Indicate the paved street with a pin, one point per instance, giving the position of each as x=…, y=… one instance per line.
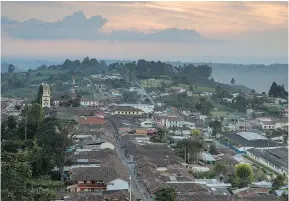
x=137, y=189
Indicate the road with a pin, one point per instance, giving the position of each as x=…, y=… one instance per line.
x=145, y=92
x=138, y=190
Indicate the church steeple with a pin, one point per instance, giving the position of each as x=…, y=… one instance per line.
x=45, y=100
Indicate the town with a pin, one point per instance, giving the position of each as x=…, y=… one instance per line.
x=140, y=131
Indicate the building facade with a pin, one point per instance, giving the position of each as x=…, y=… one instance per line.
x=45, y=99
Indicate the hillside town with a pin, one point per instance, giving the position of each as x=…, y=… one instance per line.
x=132, y=141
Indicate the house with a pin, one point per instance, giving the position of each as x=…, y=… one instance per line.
x=207, y=158
x=88, y=103
x=96, y=145
x=278, y=101
x=276, y=159
x=115, y=92
x=242, y=141
x=272, y=125
x=268, y=125
x=180, y=130
x=144, y=107
x=169, y=121
x=95, y=179
x=113, y=195
x=148, y=124
x=227, y=100
x=56, y=102
x=127, y=111
x=91, y=123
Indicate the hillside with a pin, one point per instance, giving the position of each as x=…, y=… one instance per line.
x=5, y=66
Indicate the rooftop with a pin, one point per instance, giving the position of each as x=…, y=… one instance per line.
x=91, y=120
x=251, y=136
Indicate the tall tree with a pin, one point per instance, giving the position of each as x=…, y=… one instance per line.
x=216, y=126
x=39, y=95
x=244, y=175
x=273, y=91
x=232, y=81
x=11, y=68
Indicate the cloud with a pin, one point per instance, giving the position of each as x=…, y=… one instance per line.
x=77, y=26
x=73, y=26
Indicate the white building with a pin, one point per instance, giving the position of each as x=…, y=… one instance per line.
x=148, y=124
x=45, y=100
x=276, y=159
x=88, y=103
x=144, y=107
x=117, y=184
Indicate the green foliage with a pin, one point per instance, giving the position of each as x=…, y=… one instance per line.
x=204, y=106
x=196, y=132
x=205, y=175
x=232, y=81
x=166, y=194
x=220, y=168
x=189, y=148
x=213, y=149
x=11, y=68
x=25, y=162
x=180, y=100
x=216, y=126
x=159, y=137
x=278, y=91
x=39, y=95
x=244, y=175
x=279, y=181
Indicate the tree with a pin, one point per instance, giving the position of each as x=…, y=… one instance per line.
x=220, y=168
x=159, y=137
x=17, y=107
x=189, y=149
x=216, y=126
x=166, y=194
x=54, y=135
x=11, y=68
x=213, y=149
x=16, y=170
x=232, y=81
x=279, y=181
x=39, y=95
x=196, y=132
x=244, y=175
x=204, y=106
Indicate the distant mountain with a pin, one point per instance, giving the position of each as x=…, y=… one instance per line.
x=5, y=66
x=255, y=76
x=26, y=64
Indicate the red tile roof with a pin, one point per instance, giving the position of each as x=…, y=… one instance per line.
x=90, y=120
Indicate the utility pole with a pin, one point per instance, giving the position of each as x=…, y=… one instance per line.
x=129, y=188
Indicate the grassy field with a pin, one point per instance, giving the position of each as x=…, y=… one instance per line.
x=197, y=89
x=152, y=83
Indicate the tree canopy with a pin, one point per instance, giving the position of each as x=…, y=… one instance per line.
x=278, y=91
x=166, y=194
x=244, y=175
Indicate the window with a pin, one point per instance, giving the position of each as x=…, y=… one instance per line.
x=84, y=182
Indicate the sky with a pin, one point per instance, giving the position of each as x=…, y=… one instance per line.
x=235, y=32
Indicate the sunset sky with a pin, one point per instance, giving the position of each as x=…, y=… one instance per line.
x=238, y=32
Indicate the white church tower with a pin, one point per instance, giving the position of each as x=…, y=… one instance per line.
x=45, y=100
